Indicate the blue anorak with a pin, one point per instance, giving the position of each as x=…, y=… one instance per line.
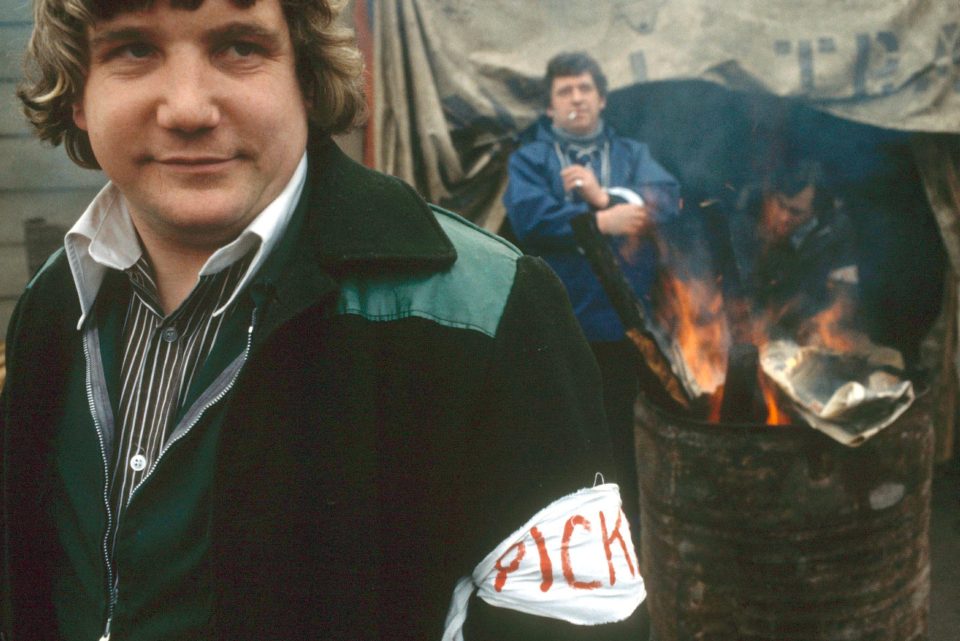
x=540, y=211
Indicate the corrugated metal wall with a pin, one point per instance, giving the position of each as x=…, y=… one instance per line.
x=35, y=179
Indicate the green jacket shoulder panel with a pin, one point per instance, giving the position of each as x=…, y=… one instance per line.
x=471, y=294
x=46, y=266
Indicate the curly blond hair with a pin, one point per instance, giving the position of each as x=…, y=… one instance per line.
x=329, y=65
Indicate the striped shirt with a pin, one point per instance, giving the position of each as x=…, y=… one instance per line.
x=160, y=357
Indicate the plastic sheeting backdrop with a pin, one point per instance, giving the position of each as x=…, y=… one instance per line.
x=456, y=80
x=716, y=90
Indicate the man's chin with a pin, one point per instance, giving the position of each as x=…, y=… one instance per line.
x=578, y=130
x=199, y=220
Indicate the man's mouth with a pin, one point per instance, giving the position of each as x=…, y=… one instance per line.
x=193, y=161
x=195, y=165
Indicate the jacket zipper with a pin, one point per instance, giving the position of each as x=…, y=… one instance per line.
x=111, y=580
x=216, y=399
x=114, y=590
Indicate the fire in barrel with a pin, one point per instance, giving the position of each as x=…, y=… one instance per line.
x=784, y=467
x=767, y=332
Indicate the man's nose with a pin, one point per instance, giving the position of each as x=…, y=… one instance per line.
x=782, y=212
x=188, y=100
x=782, y=221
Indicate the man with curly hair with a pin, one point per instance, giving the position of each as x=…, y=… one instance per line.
x=263, y=392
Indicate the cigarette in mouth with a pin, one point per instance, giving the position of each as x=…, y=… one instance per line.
x=572, y=115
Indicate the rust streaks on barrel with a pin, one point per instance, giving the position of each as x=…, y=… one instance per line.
x=757, y=533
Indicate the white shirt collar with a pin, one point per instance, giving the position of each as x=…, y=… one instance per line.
x=104, y=238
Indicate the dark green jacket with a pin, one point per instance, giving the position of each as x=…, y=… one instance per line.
x=415, y=391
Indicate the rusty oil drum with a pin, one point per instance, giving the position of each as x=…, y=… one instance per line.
x=760, y=533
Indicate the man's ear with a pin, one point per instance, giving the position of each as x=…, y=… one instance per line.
x=79, y=117
x=550, y=112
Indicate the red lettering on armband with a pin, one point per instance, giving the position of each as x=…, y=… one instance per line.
x=572, y=522
x=502, y=572
x=607, y=540
x=546, y=567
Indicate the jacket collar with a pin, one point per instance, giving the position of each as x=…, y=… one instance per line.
x=362, y=219
x=350, y=221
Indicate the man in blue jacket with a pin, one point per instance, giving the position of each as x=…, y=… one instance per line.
x=263, y=392
x=576, y=164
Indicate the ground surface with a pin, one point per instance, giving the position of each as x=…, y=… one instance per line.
x=945, y=555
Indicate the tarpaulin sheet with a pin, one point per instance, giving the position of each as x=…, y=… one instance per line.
x=456, y=81
x=445, y=66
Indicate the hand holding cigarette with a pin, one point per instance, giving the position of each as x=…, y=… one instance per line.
x=582, y=180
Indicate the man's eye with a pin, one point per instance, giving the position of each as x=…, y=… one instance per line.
x=135, y=50
x=244, y=49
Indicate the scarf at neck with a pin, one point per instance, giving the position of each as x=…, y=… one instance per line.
x=587, y=140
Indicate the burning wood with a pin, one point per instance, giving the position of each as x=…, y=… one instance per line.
x=627, y=306
x=838, y=382
x=697, y=334
x=738, y=396
x=711, y=350
x=717, y=361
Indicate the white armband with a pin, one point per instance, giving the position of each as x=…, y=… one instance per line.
x=628, y=195
x=574, y=560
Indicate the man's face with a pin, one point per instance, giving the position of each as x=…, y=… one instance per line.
x=575, y=104
x=197, y=116
x=783, y=215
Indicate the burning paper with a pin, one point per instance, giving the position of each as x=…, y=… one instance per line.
x=850, y=396
x=696, y=338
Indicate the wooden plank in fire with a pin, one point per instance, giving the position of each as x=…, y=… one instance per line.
x=626, y=305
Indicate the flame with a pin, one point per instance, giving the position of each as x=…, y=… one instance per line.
x=700, y=331
x=703, y=336
x=775, y=415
